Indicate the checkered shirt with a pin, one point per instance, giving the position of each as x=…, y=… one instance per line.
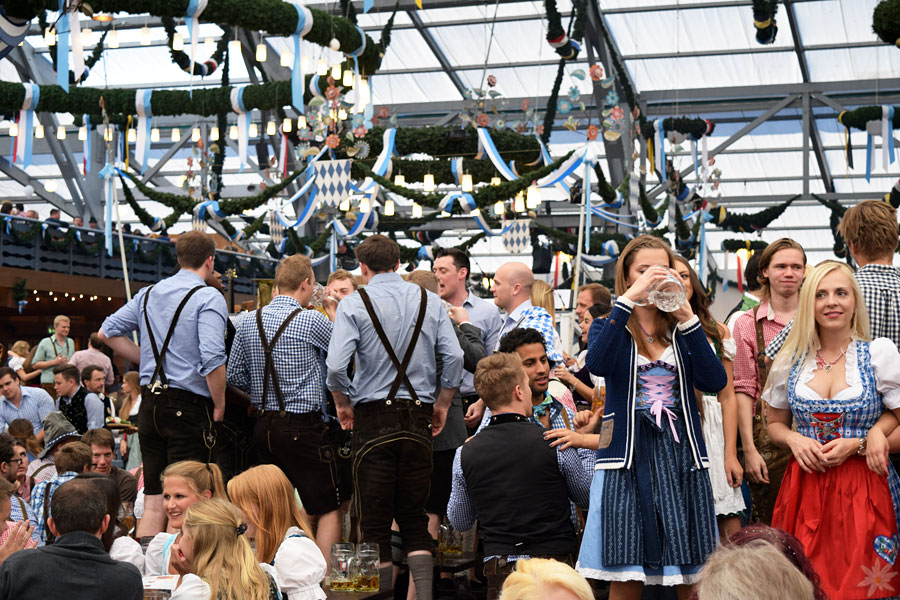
x=746, y=369
x=43, y=492
x=16, y=514
x=880, y=287
x=298, y=356
x=534, y=317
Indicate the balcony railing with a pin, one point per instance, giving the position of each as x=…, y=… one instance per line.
x=62, y=248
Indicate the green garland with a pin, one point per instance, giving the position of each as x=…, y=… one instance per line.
x=748, y=223
x=446, y=142
x=858, y=117
x=886, y=21
x=837, y=211
x=70, y=239
x=275, y=17
x=183, y=60
x=764, y=20
x=735, y=245
x=561, y=241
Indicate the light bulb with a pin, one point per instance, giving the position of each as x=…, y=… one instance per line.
x=428, y=182
x=363, y=92
x=342, y=115
x=254, y=130
x=304, y=63
x=495, y=181
x=364, y=205
x=467, y=185
x=287, y=59
x=399, y=179
x=145, y=36
x=416, y=211
x=61, y=132
x=50, y=186
x=176, y=134
x=82, y=133
x=234, y=48
x=322, y=68
x=348, y=79
x=533, y=197
x=389, y=208
x=49, y=37
x=485, y=282
x=261, y=52
x=108, y=134
x=214, y=134
x=209, y=46
x=13, y=130
x=345, y=204
x=154, y=135
x=499, y=208
x=301, y=122
x=271, y=128
x=233, y=132
x=87, y=36
x=336, y=71
x=112, y=39
x=178, y=42
x=519, y=203
x=131, y=136
x=39, y=131
x=195, y=134
x=287, y=125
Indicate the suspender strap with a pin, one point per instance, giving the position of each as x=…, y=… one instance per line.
x=160, y=355
x=38, y=470
x=400, y=366
x=269, y=368
x=21, y=506
x=760, y=351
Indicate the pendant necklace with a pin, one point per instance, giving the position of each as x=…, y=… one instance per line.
x=828, y=365
x=646, y=333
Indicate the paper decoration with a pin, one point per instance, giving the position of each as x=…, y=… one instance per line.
x=517, y=237
x=333, y=181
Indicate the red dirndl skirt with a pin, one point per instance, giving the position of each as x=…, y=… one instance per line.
x=846, y=521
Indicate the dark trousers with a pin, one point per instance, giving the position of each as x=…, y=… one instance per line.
x=234, y=441
x=392, y=448
x=498, y=569
x=173, y=425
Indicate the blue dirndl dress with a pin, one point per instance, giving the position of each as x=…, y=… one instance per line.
x=654, y=522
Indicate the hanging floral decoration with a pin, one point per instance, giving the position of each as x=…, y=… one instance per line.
x=596, y=72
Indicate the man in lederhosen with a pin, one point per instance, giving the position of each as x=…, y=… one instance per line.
x=278, y=356
x=182, y=356
x=394, y=328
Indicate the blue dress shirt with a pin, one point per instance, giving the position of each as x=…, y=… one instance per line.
x=396, y=303
x=198, y=346
x=34, y=406
x=298, y=356
x=485, y=316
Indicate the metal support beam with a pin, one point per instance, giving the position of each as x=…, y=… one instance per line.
x=735, y=137
x=22, y=178
x=172, y=151
x=437, y=51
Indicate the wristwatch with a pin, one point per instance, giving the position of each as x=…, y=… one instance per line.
x=862, y=447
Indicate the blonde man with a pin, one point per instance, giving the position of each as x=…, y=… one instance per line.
x=543, y=579
x=53, y=351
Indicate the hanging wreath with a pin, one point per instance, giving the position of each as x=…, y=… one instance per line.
x=750, y=245
x=886, y=21
x=183, y=59
x=764, y=20
x=859, y=117
x=748, y=223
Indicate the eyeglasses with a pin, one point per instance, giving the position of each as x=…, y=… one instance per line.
x=15, y=460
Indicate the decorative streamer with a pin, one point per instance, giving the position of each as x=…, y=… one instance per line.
x=887, y=136
x=382, y=164
x=77, y=48
x=283, y=155
x=355, y=55
x=12, y=32
x=701, y=260
x=237, y=104
x=62, y=48
x=86, y=145
x=106, y=173
x=25, y=138
x=694, y=155
x=304, y=24
x=660, y=148
x=194, y=10
x=586, y=199
x=456, y=168
x=145, y=122
x=725, y=270
x=486, y=146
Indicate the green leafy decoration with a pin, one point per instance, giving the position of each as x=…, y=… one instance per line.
x=858, y=117
x=886, y=21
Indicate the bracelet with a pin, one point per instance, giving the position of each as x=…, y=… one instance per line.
x=862, y=446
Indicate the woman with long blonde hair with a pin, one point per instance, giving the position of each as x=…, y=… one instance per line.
x=542, y=295
x=214, y=558
x=834, y=384
x=283, y=538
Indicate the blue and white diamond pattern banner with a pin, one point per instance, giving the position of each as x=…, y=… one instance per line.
x=333, y=180
x=517, y=236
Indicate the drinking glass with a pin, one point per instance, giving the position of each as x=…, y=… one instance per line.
x=126, y=516
x=341, y=566
x=667, y=294
x=367, y=568
x=318, y=295
x=449, y=540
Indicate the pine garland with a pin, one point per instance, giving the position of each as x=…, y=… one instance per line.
x=748, y=223
x=859, y=117
x=764, y=20
x=886, y=21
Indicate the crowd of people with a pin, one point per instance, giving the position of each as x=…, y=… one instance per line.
x=747, y=458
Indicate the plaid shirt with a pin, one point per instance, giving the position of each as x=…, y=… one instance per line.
x=43, y=492
x=20, y=510
x=527, y=316
x=746, y=371
x=880, y=287
x=298, y=356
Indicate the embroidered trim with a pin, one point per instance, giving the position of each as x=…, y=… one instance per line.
x=664, y=580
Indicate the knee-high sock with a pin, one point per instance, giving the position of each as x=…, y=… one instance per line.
x=421, y=568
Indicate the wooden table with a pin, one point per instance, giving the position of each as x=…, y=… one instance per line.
x=385, y=589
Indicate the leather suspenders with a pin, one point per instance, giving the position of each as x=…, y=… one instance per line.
x=159, y=381
x=401, y=367
x=268, y=346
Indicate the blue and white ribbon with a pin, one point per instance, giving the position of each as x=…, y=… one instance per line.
x=456, y=168
x=598, y=261
x=106, y=173
x=298, y=78
x=12, y=32
x=237, y=105
x=192, y=20
x=569, y=166
x=86, y=144
x=367, y=5
x=68, y=29
x=610, y=248
x=701, y=260
x=886, y=130
x=659, y=141
x=486, y=146
x=145, y=122
x=380, y=168
x=613, y=218
x=369, y=99
x=355, y=54
x=25, y=138
x=695, y=157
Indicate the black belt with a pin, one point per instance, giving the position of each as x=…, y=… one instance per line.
x=313, y=416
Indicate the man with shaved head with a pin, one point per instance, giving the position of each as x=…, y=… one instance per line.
x=512, y=293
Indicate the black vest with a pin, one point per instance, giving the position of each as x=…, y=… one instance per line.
x=517, y=490
x=74, y=410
